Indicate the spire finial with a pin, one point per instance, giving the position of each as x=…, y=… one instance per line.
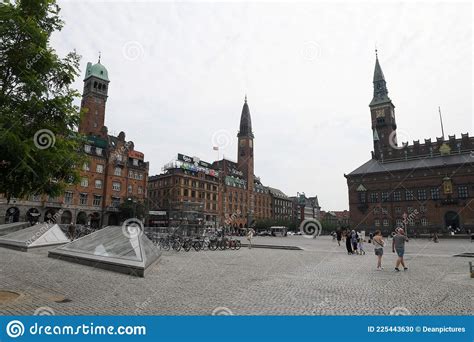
x=376, y=51
x=99, y=56
x=245, y=98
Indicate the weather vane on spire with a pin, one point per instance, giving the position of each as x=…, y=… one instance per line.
x=99, y=56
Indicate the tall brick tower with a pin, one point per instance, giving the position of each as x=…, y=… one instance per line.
x=245, y=157
x=384, y=126
x=94, y=97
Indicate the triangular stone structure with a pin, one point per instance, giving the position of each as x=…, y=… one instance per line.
x=111, y=248
x=39, y=235
x=12, y=227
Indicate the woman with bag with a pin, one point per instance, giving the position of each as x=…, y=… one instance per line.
x=379, y=243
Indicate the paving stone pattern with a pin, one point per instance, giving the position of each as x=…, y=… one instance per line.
x=321, y=279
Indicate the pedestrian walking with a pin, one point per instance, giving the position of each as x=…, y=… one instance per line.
x=435, y=238
x=338, y=237
x=398, y=245
x=349, y=243
x=250, y=234
x=379, y=243
x=371, y=236
x=354, y=237
x=360, y=245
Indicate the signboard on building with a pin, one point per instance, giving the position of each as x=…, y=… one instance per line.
x=196, y=165
x=136, y=155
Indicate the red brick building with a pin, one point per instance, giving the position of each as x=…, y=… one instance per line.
x=229, y=191
x=115, y=172
x=425, y=187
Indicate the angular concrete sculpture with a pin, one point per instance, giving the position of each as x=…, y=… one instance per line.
x=112, y=248
x=12, y=227
x=39, y=235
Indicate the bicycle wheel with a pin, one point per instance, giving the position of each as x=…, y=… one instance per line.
x=222, y=245
x=166, y=245
x=187, y=245
x=197, y=246
x=212, y=245
x=237, y=244
x=177, y=246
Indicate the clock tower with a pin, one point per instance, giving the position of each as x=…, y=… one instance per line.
x=245, y=157
x=94, y=98
x=382, y=110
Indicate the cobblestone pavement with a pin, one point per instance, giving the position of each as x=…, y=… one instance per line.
x=321, y=279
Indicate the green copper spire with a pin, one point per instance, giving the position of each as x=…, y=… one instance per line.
x=97, y=70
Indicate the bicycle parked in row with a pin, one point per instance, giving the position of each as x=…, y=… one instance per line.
x=212, y=243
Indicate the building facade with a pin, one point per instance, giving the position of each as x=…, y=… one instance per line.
x=305, y=208
x=425, y=187
x=231, y=193
x=282, y=205
x=113, y=173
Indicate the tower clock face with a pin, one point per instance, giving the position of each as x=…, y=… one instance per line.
x=242, y=143
x=379, y=113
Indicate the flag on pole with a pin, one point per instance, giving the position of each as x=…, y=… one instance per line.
x=216, y=148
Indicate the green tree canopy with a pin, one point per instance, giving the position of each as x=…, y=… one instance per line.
x=38, y=141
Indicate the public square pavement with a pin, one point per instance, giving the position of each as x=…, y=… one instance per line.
x=321, y=279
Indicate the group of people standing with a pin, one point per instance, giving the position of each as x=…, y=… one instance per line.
x=354, y=241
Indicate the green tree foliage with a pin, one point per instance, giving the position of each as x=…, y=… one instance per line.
x=38, y=141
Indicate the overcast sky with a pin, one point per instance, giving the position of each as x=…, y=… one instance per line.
x=179, y=73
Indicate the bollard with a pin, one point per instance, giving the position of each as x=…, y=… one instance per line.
x=471, y=268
